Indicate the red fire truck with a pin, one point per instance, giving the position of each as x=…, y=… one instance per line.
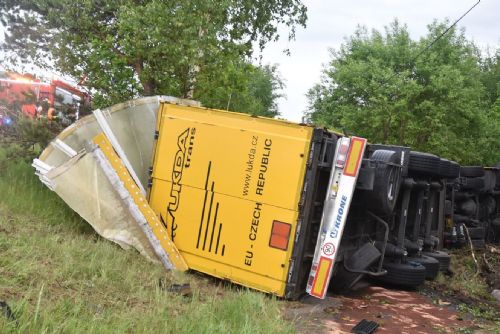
x=31, y=97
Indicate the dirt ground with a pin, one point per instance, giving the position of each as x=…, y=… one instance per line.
x=458, y=302
x=396, y=311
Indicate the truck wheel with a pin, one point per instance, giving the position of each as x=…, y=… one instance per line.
x=471, y=171
x=443, y=258
x=387, y=182
x=487, y=206
x=490, y=180
x=444, y=167
x=448, y=210
x=473, y=183
x=409, y=275
x=425, y=163
x=497, y=184
x=467, y=207
x=431, y=265
x=454, y=170
x=478, y=243
x=460, y=196
x=476, y=232
x=461, y=219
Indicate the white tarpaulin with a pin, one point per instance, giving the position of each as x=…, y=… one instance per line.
x=81, y=182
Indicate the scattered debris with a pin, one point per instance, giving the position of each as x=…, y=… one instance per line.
x=487, y=266
x=496, y=295
x=478, y=270
x=405, y=312
x=6, y=311
x=365, y=327
x=181, y=289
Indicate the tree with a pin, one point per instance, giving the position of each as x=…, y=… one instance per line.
x=375, y=87
x=126, y=48
x=243, y=87
x=491, y=76
x=491, y=81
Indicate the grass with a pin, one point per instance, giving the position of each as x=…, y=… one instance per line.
x=465, y=278
x=59, y=276
x=470, y=290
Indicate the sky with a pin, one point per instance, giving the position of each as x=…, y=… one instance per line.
x=330, y=21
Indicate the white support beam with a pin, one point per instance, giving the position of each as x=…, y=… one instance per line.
x=103, y=123
x=63, y=147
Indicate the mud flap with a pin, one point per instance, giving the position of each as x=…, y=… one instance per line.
x=360, y=260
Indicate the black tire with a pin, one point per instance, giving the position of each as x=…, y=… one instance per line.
x=382, y=199
x=476, y=232
x=448, y=209
x=471, y=171
x=461, y=219
x=454, y=170
x=424, y=163
x=472, y=183
x=460, y=196
x=467, y=207
x=444, y=167
x=478, y=243
x=497, y=184
x=431, y=265
x=490, y=180
x=443, y=258
x=409, y=275
x=487, y=206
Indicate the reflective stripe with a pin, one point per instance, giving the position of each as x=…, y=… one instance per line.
x=354, y=156
x=321, y=278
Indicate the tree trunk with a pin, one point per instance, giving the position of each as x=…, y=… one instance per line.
x=148, y=84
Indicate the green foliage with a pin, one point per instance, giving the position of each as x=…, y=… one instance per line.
x=437, y=103
x=243, y=87
x=130, y=48
x=491, y=76
x=26, y=137
x=58, y=276
x=30, y=132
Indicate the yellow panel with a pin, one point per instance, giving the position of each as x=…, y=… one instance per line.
x=252, y=158
x=218, y=171
x=158, y=229
x=227, y=230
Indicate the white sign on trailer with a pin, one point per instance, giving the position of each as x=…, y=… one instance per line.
x=338, y=200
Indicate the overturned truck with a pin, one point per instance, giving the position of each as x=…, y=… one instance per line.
x=279, y=207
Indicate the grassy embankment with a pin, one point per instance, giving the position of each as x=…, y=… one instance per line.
x=470, y=286
x=57, y=275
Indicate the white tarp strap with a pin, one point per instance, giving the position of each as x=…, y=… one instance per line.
x=63, y=147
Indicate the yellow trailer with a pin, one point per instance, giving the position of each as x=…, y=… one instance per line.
x=236, y=193
x=261, y=202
